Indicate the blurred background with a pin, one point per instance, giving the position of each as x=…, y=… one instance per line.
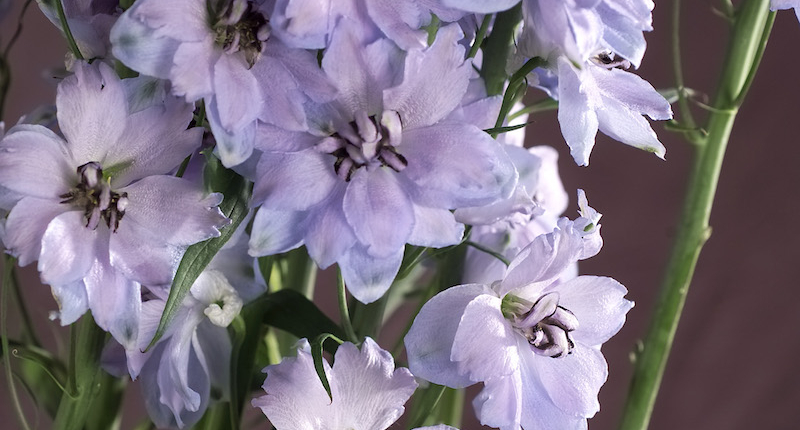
x=734, y=362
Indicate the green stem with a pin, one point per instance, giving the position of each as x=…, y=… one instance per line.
x=67, y=32
x=344, y=313
x=677, y=68
x=84, y=376
x=498, y=48
x=479, y=36
x=749, y=35
x=8, y=268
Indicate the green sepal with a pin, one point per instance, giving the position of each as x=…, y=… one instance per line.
x=236, y=191
x=319, y=361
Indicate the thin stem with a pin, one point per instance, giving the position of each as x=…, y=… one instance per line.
x=480, y=36
x=677, y=67
x=67, y=32
x=5, y=67
x=344, y=313
x=8, y=267
x=486, y=250
x=752, y=23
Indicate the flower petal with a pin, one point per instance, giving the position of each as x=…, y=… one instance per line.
x=92, y=111
x=275, y=232
x=26, y=225
x=135, y=250
x=294, y=180
x=368, y=392
x=434, y=81
x=185, y=20
x=193, y=69
x=69, y=249
x=36, y=162
x=328, y=236
x=599, y=305
x=496, y=354
x=133, y=43
x=576, y=117
x=237, y=93
x=435, y=228
x=368, y=277
x=456, y=166
x=115, y=301
x=572, y=382
x=499, y=404
x=174, y=210
x=379, y=211
x=429, y=342
x=72, y=301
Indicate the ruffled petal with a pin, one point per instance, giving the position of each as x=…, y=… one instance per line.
x=434, y=81
x=295, y=396
x=368, y=392
x=499, y=404
x=174, y=210
x=429, y=342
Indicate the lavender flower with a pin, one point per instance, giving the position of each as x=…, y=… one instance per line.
x=367, y=391
x=383, y=165
x=89, y=21
x=95, y=209
x=221, y=51
x=533, y=340
x=601, y=96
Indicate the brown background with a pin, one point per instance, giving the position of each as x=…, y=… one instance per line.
x=734, y=365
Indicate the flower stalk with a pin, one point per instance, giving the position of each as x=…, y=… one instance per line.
x=749, y=35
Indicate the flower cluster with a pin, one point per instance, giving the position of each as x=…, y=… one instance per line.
x=363, y=132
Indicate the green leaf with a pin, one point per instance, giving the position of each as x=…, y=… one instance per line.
x=291, y=311
x=236, y=191
x=506, y=129
x=319, y=361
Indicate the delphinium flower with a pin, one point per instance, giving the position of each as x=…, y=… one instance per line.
x=189, y=367
x=223, y=52
x=96, y=208
x=383, y=164
x=367, y=392
x=601, y=96
x=533, y=340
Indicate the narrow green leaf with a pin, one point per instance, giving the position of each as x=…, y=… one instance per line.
x=319, y=361
x=506, y=129
x=236, y=191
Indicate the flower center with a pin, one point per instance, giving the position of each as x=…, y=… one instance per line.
x=545, y=324
x=241, y=27
x=367, y=141
x=610, y=60
x=93, y=194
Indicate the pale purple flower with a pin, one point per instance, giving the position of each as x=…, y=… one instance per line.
x=95, y=208
x=579, y=29
x=533, y=340
x=383, y=165
x=310, y=23
x=786, y=4
x=538, y=169
x=599, y=96
x=189, y=367
x=367, y=392
x=223, y=52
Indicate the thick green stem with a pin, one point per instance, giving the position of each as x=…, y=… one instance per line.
x=498, y=48
x=750, y=31
x=84, y=376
